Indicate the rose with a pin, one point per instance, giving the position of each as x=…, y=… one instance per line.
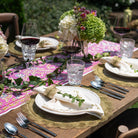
x=68, y=27
x=3, y=44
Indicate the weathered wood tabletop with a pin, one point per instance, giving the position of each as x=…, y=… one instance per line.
x=118, y=107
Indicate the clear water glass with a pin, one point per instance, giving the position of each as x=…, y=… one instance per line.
x=127, y=47
x=75, y=68
x=28, y=52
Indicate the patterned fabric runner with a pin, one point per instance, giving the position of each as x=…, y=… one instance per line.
x=10, y=101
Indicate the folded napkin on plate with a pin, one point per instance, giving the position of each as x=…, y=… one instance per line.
x=124, y=65
x=65, y=104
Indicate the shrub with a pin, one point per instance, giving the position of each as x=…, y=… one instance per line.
x=46, y=13
x=116, y=5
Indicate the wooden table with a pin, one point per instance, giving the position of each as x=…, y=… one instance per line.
x=118, y=107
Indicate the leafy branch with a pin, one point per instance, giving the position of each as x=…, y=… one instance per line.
x=74, y=98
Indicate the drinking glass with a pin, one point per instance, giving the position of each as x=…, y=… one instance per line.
x=71, y=46
x=75, y=68
x=29, y=39
x=121, y=26
x=127, y=47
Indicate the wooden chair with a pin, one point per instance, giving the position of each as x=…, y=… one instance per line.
x=116, y=128
x=10, y=25
x=124, y=132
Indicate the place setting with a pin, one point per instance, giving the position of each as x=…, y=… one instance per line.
x=53, y=105
x=44, y=45
x=11, y=130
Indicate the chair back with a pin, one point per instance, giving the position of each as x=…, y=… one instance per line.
x=10, y=25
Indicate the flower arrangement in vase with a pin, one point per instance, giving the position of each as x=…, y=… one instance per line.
x=3, y=44
x=3, y=51
x=80, y=24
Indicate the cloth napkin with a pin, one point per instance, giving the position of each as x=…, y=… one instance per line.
x=64, y=104
x=122, y=66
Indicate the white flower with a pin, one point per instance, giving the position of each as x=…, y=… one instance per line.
x=131, y=1
x=3, y=47
x=68, y=27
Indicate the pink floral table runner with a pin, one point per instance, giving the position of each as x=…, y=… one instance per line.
x=10, y=101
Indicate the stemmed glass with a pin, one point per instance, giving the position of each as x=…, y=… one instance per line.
x=121, y=26
x=29, y=39
x=71, y=45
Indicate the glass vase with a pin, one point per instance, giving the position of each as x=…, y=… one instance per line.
x=83, y=45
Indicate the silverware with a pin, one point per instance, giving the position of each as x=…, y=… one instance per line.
x=111, y=95
x=11, y=129
x=20, y=115
x=101, y=81
x=113, y=88
x=117, y=86
x=26, y=126
x=108, y=92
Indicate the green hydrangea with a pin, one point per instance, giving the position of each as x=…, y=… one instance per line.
x=70, y=12
x=95, y=29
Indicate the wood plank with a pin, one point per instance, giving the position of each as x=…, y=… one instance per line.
x=118, y=108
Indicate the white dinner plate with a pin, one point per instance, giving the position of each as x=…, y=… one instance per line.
x=53, y=43
x=40, y=100
x=124, y=73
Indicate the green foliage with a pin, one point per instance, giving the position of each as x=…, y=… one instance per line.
x=46, y=13
x=74, y=98
x=70, y=12
x=134, y=105
x=116, y=5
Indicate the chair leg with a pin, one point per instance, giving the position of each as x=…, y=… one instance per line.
x=121, y=129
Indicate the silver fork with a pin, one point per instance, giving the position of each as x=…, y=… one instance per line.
x=21, y=116
x=24, y=125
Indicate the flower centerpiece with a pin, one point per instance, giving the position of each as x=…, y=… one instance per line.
x=3, y=44
x=83, y=24
x=3, y=51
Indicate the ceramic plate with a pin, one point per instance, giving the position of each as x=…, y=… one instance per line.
x=124, y=73
x=53, y=43
x=40, y=100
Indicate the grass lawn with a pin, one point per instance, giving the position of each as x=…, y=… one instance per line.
x=135, y=105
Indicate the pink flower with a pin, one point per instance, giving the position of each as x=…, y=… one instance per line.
x=82, y=9
x=82, y=28
x=87, y=11
x=94, y=12
x=83, y=15
x=75, y=8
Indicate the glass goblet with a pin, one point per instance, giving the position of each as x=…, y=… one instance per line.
x=121, y=26
x=29, y=39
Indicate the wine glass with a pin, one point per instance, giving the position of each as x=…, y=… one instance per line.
x=3, y=51
x=121, y=26
x=29, y=40
x=71, y=44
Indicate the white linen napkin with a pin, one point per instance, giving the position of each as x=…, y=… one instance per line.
x=64, y=104
x=123, y=66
